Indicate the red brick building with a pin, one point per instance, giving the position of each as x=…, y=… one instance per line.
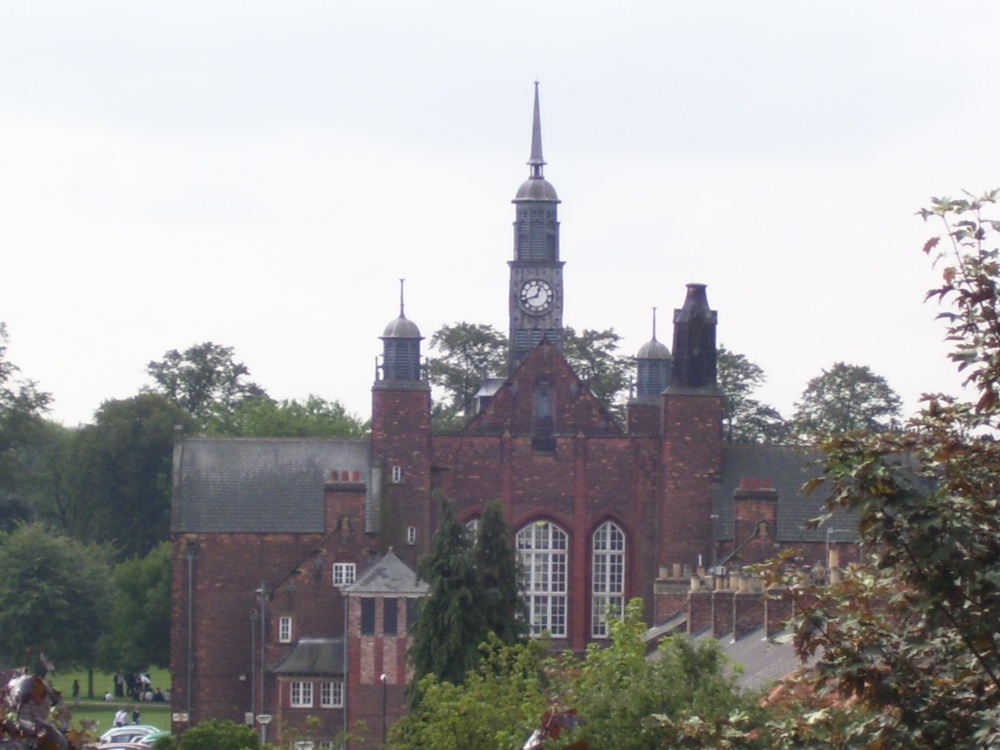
x=294, y=585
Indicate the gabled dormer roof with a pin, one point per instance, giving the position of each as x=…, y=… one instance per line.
x=388, y=575
x=575, y=409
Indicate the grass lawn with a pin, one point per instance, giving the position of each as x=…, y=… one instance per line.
x=155, y=713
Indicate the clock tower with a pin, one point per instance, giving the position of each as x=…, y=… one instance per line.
x=536, y=284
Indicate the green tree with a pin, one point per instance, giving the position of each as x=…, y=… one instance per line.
x=55, y=596
x=139, y=636
x=500, y=577
x=617, y=688
x=846, y=398
x=219, y=735
x=126, y=463
x=594, y=356
x=205, y=380
x=14, y=511
x=451, y=624
x=48, y=477
x=496, y=709
x=909, y=638
x=745, y=419
x=313, y=417
x=465, y=354
x=21, y=409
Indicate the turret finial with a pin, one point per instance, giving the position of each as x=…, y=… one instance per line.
x=536, y=162
x=401, y=281
x=654, y=324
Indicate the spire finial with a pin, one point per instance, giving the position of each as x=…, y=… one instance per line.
x=401, y=298
x=536, y=162
x=654, y=324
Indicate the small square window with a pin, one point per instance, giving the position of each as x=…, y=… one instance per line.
x=285, y=629
x=343, y=573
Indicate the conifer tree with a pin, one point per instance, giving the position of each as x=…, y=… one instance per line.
x=499, y=574
x=451, y=625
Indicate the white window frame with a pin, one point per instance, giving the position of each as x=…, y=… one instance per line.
x=608, y=576
x=411, y=535
x=331, y=694
x=397, y=474
x=543, y=548
x=300, y=694
x=344, y=574
x=285, y=629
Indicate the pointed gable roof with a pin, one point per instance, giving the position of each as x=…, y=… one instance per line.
x=575, y=408
x=389, y=575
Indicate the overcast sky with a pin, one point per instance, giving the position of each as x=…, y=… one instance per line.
x=260, y=175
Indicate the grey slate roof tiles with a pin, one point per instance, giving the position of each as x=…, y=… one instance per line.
x=313, y=656
x=259, y=485
x=787, y=468
x=388, y=575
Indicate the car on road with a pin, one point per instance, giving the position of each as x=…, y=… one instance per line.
x=127, y=733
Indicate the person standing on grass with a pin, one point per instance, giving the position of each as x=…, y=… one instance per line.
x=76, y=691
x=121, y=717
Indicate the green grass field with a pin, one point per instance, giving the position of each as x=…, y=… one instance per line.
x=156, y=713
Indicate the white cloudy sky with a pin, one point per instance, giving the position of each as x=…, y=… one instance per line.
x=261, y=174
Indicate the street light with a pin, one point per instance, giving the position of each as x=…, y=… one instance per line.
x=382, y=678
x=828, y=566
x=263, y=720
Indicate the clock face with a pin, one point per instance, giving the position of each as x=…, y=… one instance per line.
x=536, y=296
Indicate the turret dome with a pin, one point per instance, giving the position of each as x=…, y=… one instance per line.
x=536, y=189
x=401, y=328
x=653, y=349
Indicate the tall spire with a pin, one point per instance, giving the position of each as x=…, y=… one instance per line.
x=536, y=162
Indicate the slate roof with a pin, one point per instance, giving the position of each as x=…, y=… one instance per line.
x=787, y=468
x=313, y=656
x=764, y=660
x=258, y=484
x=389, y=575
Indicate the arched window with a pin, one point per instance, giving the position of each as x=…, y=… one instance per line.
x=608, y=588
x=542, y=550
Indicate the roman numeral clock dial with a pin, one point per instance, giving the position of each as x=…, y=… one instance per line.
x=536, y=296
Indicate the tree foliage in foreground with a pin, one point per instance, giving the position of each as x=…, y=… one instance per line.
x=909, y=640
x=497, y=707
x=616, y=688
x=219, y=735
x=55, y=596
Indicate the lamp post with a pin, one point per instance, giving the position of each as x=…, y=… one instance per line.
x=382, y=678
x=263, y=720
x=828, y=532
